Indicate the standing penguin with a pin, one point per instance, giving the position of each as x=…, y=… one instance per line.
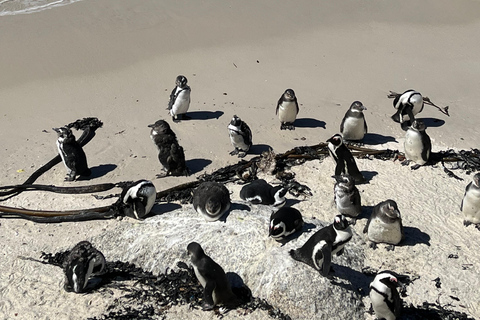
x=261, y=192
x=354, y=126
x=82, y=262
x=284, y=222
x=346, y=196
x=471, y=202
x=318, y=250
x=345, y=163
x=138, y=199
x=408, y=104
x=287, y=109
x=217, y=289
x=240, y=136
x=179, y=99
x=385, y=299
x=385, y=224
x=170, y=153
x=417, y=143
x=72, y=154
x=212, y=200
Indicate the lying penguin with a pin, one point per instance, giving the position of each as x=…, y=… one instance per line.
x=211, y=200
x=471, y=202
x=260, y=191
x=284, y=222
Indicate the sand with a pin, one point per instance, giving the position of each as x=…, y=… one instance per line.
x=117, y=60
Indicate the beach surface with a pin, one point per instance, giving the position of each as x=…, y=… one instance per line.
x=117, y=60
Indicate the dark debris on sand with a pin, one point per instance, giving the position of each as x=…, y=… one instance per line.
x=150, y=296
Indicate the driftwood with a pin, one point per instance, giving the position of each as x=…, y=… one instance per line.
x=426, y=100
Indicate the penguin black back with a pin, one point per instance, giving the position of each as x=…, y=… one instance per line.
x=284, y=222
x=345, y=162
x=261, y=192
x=72, y=154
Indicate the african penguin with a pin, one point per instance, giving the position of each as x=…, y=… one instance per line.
x=72, y=154
x=284, y=222
x=240, y=136
x=261, y=192
x=138, y=199
x=287, y=109
x=471, y=202
x=170, y=153
x=417, y=143
x=179, y=99
x=82, y=262
x=408, y=104
x=384, y=296
x=354, y=126
x=385, y=224
x=317, y=252
x=345, y=163
x=212, y=200
x=217, y=289
x=346, y=196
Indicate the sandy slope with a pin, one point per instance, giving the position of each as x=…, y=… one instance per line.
x=117, y=60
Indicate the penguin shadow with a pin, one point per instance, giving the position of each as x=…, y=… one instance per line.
x=99, y=171
x=414, y=236
x=239, y=288
x=197, y=165
x=234, y=206
x=205, y=115
x=258, y=149
x=356, y=281
x=432, y=122
x=161, y=208
x=368, y=175
x=309, y=123
x=366, y=212
x=374, y=139
x=291, y=202
x=307, y=227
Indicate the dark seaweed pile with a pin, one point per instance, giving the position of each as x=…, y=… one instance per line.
x=150, y=296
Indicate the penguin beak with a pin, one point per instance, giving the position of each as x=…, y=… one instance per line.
x=56, y=129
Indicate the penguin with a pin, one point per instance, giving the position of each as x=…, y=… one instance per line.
x=408, y=104
x=385, y=224
x=170, y=153
x=261, y=192
x=317, y=252
x=354, y=126
x=345, y=163
x=386, y=301
x=217, y=289
x=83, y=262
x=287, y=109
x=72, y=154
x=240, y=136
x=179, y=99
x=138, y=199
x=284, y=222
x=417, y=143
x=471, y=202
x=212, y=200
x=346, y=196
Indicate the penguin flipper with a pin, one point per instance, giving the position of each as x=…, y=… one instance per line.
x=365, y=129
x=138, y=208
x=427, y=147
x=327, y=259
x=342, y=125
x=365, y=230
x=172, y=99
x=208, y=295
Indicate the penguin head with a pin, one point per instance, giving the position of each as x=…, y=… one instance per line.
x=160, y=127
x=357, y=106
x=279, y=193
x=418, y=125
x=276, y=229
x=340, y=222
x=236, y=121
x=213, y=206
x=181, y=81
x=336, y=140
x=64, y=133
x=84, y=260
x=387, y=278
x=345, y=180
x=390, y=209
x=195, y=251
x=289, y=95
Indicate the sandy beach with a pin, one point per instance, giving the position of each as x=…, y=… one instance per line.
x=117, y=60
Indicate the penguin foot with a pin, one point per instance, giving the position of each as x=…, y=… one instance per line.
x=242, y=154
x=161, y=175
x=373, y=245
x=283, y=126
x=70, y=177
x=175, y=119
x=415, y=167
x=207, y=307
x=390, y=247
x=290, y=126
x=466, y=223
x=234, y=152
x=405, y=162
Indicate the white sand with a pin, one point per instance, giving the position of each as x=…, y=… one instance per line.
x=117, y=60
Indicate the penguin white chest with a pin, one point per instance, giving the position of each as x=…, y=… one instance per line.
x=182, y=102
x=471, y=205
x=61, y=152
x=382, y=311
x=381, y=232
x=238, y=141
x=287, y=111
x=414, y=147
x=200, y=278
x=353, y=128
